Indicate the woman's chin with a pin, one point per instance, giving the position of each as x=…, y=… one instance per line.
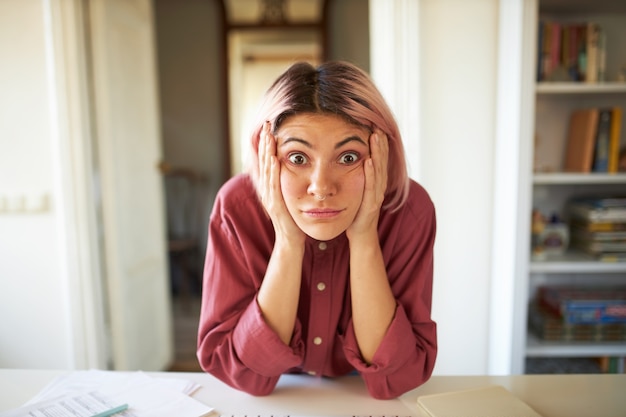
x=322, y=234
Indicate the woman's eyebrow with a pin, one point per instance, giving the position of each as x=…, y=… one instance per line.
x=337, y=146
x=302, y=141
x=350, y=139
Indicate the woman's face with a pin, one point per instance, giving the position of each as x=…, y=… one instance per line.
x=322, y=177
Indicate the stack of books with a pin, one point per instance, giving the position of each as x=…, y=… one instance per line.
x=583, y=313
x=598, y=226
x=571, y=52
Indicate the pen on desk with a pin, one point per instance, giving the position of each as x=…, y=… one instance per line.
x=112, y=411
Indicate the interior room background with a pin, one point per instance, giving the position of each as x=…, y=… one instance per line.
x=449, y=68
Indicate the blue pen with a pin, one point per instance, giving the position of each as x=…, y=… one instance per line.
x=112, y=411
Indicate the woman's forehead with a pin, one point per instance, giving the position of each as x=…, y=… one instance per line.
x=313, y=124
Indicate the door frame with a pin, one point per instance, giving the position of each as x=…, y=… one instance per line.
x=76, y=184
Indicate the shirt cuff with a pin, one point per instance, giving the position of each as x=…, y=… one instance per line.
x=394, y=351
x=260, y=349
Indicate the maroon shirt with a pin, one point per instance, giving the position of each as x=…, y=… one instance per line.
x=238, y=347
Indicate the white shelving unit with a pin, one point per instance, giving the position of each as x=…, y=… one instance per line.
x=551, y=188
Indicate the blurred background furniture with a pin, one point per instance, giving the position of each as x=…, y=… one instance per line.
x=185, y=196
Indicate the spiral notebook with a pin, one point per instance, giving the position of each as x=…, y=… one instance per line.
x=488, y=401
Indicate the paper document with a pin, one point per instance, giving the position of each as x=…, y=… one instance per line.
x=79, y=393
x=86, y=404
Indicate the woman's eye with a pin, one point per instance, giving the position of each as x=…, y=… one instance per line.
x=349, y=158
x=297, y=159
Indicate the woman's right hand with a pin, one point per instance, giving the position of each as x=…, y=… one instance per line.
x=270, y=190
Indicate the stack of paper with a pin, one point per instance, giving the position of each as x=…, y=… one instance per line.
x=88, y=393
x=489, y=401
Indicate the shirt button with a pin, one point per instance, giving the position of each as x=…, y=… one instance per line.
x=321, y=286
x=322, y=246
x=317, y=340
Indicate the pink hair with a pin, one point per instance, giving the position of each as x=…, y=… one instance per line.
x=338, y=88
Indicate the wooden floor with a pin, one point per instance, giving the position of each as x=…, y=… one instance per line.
x=185, y=335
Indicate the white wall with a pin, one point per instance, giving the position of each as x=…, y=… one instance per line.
x=458, y=80
x=454, y=57
x=33, y=308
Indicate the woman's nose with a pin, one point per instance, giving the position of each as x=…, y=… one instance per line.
x=322, y=183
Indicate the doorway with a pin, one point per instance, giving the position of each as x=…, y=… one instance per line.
x=197, y=131
x=256, y=58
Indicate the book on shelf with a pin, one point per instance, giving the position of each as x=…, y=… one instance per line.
x=593, y=53
x=603, y=132
x=584, y=225
x=574, y=52
x=614, y=140
x=607, y=146
x=549, y=326
x=585, y=304
x=593, y=140
x=612, y=364
x=597, y=209
x=612, y=257
x=598, y=247
x=583, y=125
x=586, y=237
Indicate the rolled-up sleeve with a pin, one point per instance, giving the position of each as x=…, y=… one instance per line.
x=260, y=348
x=406, y=356
x=235, y=344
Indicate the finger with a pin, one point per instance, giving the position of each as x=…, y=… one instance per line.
x=383, y=160
x=380, y=153
x=264, y=162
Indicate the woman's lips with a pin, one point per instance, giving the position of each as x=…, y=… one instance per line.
x=322, y=213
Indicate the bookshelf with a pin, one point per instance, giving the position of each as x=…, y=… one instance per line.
x=552, y=104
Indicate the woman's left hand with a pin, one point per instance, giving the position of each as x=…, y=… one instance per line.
x=375, y=168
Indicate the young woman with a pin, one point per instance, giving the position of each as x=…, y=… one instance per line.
x=320, y=259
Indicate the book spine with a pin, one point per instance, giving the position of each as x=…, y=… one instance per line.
x=589, y=227
x=599, y=215
x=555, y=48
x=593, y=35
x=601, y=58
x=614, y=141
x=572, y=55
x=601, y=156
x=582, y=52
x=545, y=51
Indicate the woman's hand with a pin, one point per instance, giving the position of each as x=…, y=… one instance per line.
x=375, y=167
x=373, y=303
x=271, y=195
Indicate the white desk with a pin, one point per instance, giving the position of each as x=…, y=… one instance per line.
x=549, y=395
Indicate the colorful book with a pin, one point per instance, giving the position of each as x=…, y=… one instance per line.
x=585, y=304
x=555, y=48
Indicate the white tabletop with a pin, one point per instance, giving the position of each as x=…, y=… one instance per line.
x=549, y=395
